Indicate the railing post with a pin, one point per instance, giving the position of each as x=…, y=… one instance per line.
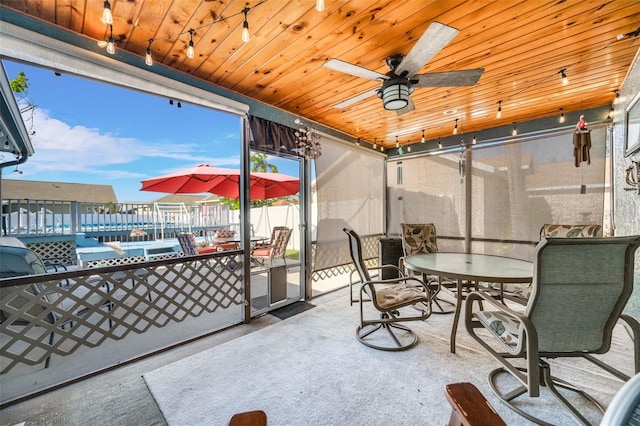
x=74, y=226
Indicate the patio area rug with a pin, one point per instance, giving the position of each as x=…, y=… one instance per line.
x=310, y=370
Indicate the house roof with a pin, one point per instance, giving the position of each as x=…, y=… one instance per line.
x=61, y=191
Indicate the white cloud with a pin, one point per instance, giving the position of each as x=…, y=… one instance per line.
x=64, y=148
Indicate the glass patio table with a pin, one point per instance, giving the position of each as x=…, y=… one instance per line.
x=470, y=267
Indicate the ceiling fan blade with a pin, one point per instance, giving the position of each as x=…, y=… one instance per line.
x=448, y=78
x=432, y=41
x=410, y=107
x=356, y=98
x=356, y=70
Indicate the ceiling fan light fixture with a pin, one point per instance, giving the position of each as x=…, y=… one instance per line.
x=395, y=94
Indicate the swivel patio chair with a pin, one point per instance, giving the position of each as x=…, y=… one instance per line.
x=579, y=290
x=388, y=297
x=520, y=292
x=421, y=238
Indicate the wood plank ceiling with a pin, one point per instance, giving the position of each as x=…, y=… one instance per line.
x=521, y=44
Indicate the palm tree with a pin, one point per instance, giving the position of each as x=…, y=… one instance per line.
x=259, y=163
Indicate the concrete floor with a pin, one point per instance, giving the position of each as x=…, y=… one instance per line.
x=120, y=396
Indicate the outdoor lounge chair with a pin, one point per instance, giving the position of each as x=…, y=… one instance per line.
x=579, y=290
x=51, y=309
x=388, y=297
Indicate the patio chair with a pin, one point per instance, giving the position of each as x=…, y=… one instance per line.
x=388, y=297
x=580, y=288
x=277, y=248
x=222, y=234
x=421, y=238
x=520, y=292
x=190, y=247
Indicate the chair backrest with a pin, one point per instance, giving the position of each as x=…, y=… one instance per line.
x=224, y=233
x=355, y=250
x=549, y=230
x=274, y=233
x=419, y=238
x=188, y=243
x=280, y=241
x=580, y=287
x=19, y=261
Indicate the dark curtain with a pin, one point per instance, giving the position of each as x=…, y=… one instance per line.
x=270, y=136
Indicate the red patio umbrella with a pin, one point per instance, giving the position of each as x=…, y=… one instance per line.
x=195, y=180
x=223, y=182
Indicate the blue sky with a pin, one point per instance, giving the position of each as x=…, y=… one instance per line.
x=92, y=132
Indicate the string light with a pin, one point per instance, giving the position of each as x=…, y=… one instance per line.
x=245, y=26
x=190, y=50
x=565, y=80
x=148, y=59
x=455, y=128
x=375, y=143
x=499, y=113
x=319, y=5
x=514, y=132
x=111, y=44
x=562, y=119
x=107, y=16
x=422, y=140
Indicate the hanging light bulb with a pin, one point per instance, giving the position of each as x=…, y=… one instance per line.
x=375, y=143
x=439, y=144
x=358, y=142
x=319, y=5
x=499, y=113
x=245, y=26
x=397, y=143
x=422, y=140
x=565, y=80
x=474, y=140
x=148, y=59
x=111, y=44
x=191, y=50
x=455, y=128
x=562, y=119
x=107, y=16
x=514, y=132
x=409, y=148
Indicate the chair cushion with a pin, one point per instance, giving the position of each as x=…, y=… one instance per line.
x=502, y=326
x=396, y=296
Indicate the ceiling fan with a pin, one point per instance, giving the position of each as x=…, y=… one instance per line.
x=400, y=82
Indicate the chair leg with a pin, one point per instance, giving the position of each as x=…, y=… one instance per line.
x=551, y=383
x=406, y=341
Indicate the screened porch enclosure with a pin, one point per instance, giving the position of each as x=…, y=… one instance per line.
x=517, y=185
